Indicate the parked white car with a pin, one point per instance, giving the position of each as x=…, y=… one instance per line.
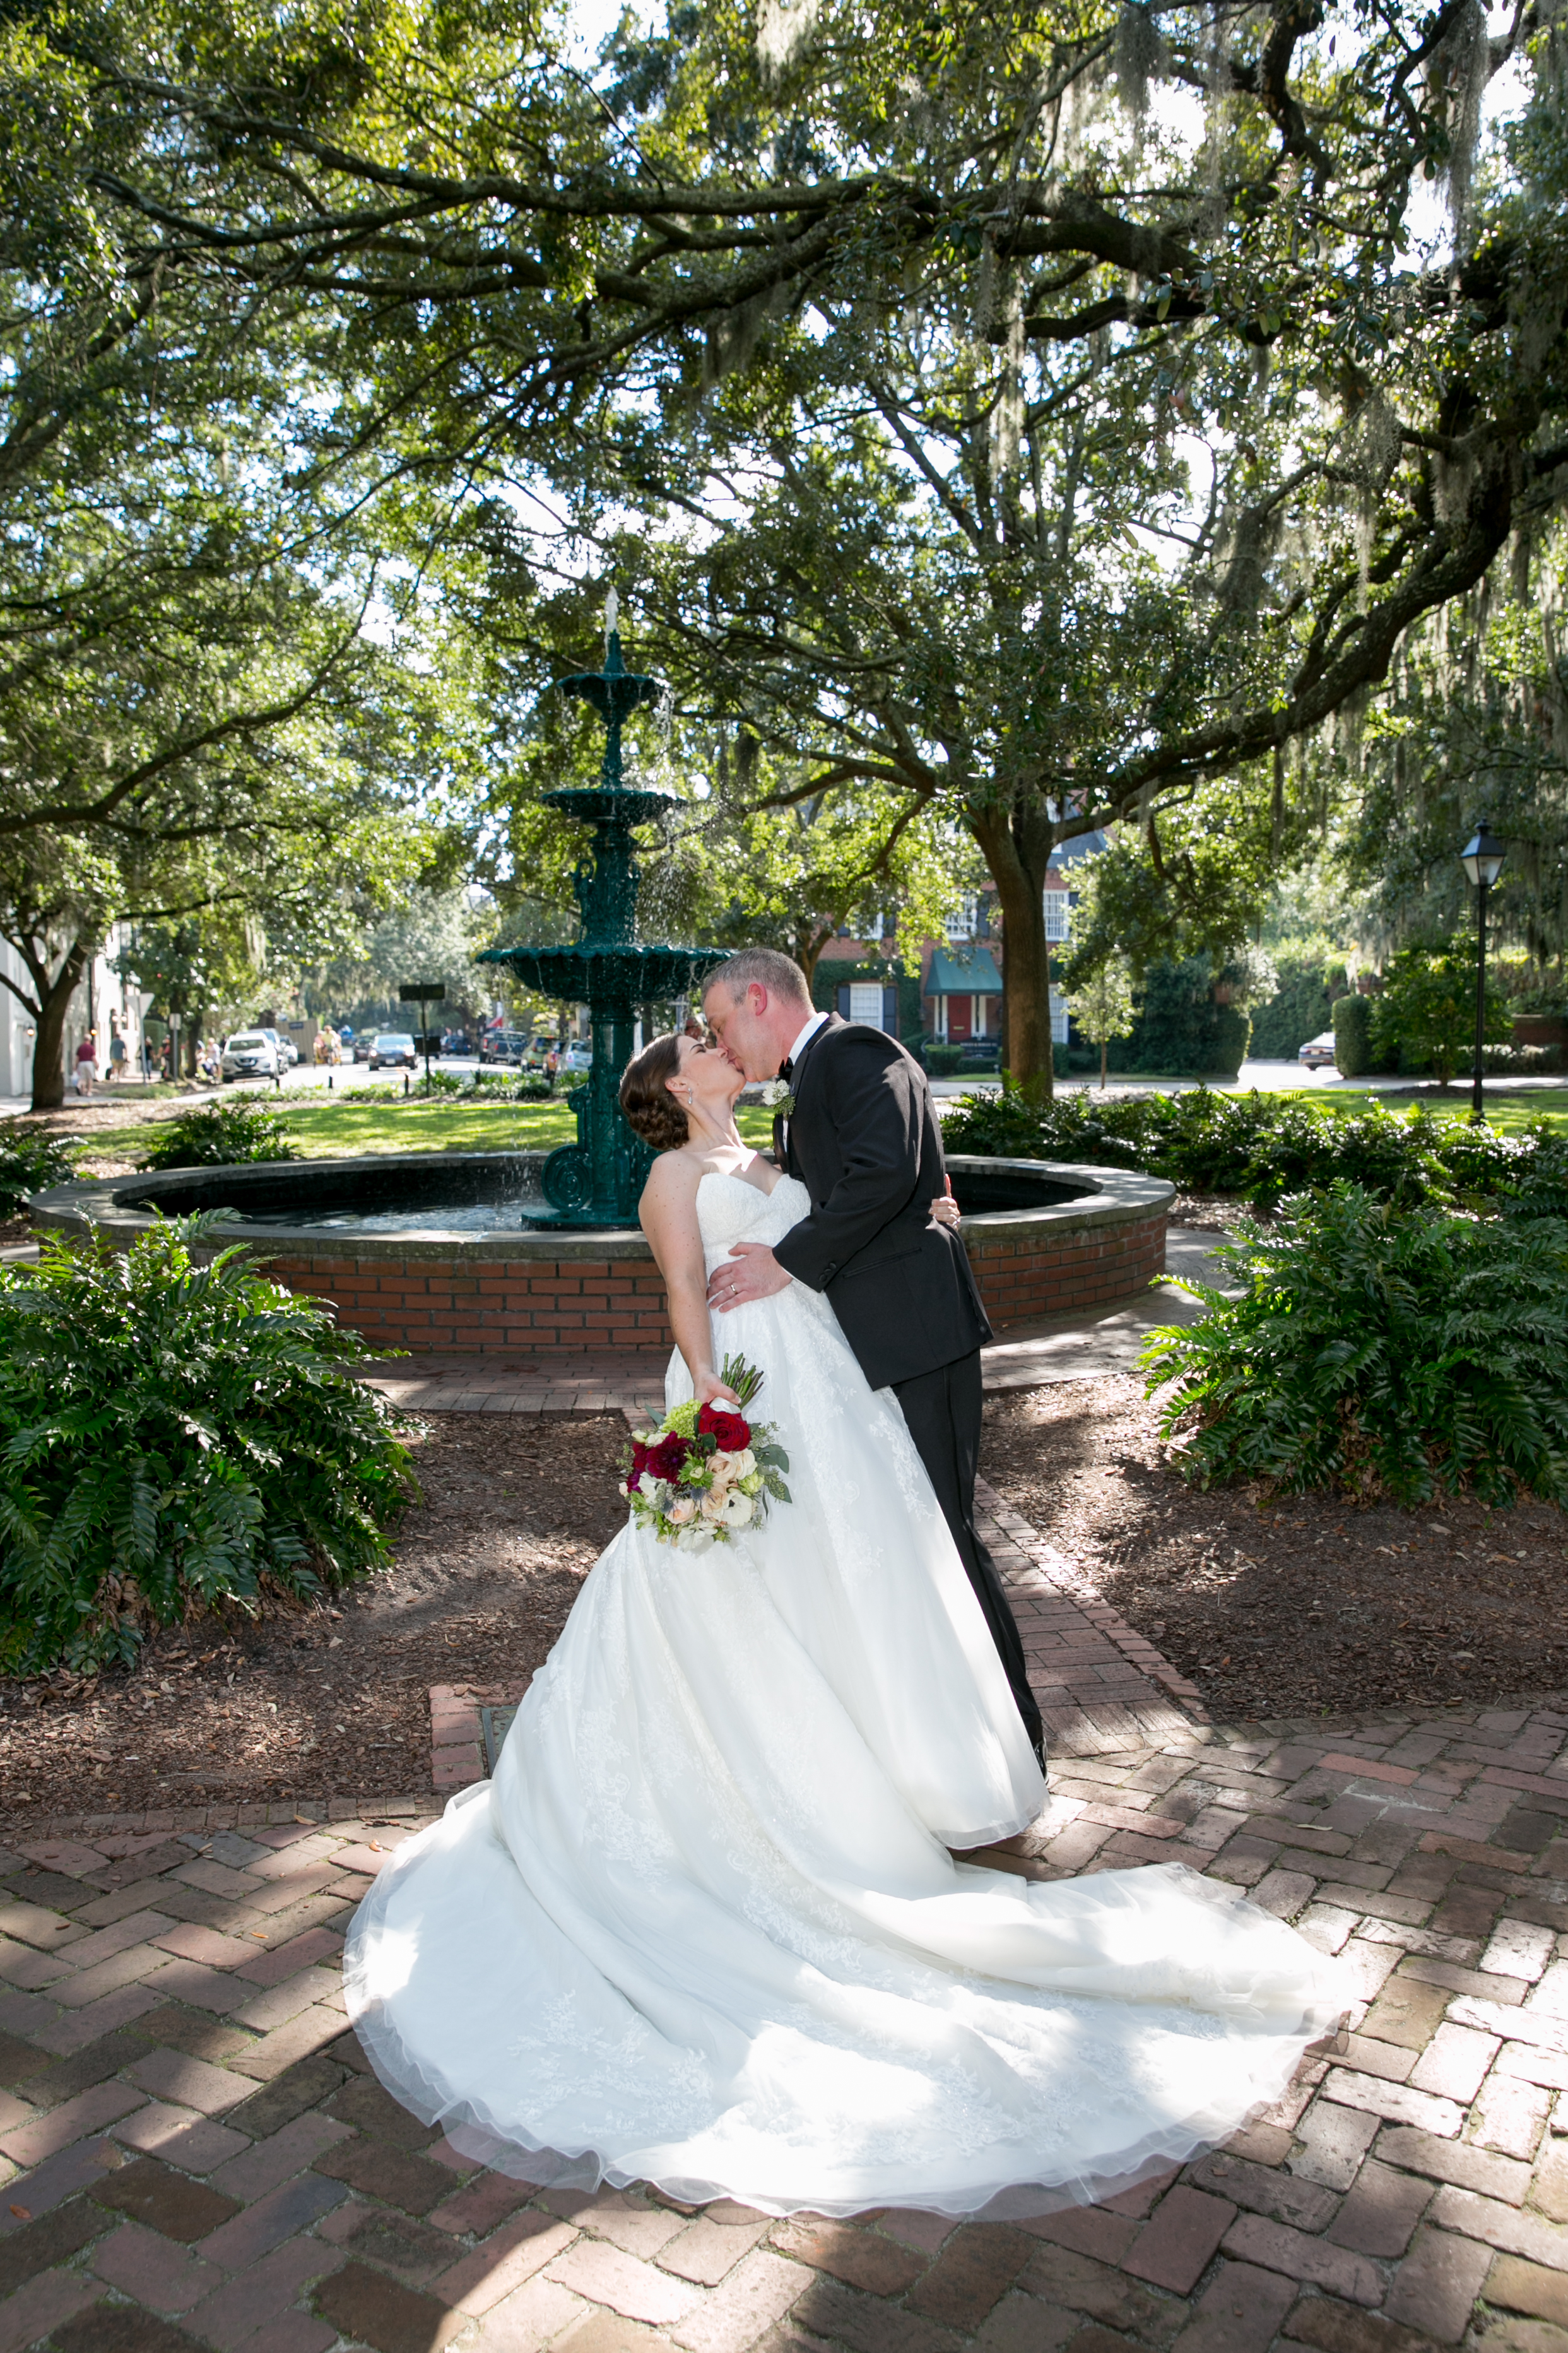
x=577, y=1057
x=249, y=1054
x=1318, y=1051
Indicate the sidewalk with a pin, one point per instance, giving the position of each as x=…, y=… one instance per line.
x=1267, y=1077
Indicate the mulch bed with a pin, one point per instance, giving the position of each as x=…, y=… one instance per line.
x=1221, y=1213
x=335, y=1701
x=1294, y=1608
x=1298, y=1606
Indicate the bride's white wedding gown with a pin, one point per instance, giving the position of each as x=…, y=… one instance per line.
x=702, y=1929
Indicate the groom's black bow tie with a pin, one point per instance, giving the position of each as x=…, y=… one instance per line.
x=786, y=1068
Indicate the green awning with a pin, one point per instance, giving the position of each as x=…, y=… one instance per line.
x=956, y=972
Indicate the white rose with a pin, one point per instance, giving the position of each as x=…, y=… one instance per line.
x=650, y=1487
x=741, y=1465
x=723, y=1467
x=737, y=1508
x=683, y=1509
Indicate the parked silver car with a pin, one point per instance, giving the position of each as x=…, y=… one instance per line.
x=285, y=1049
x=249, y=1054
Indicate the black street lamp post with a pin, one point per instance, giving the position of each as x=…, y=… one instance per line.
x=1481, y=858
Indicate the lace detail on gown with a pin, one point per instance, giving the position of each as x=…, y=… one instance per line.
x=703, y=1930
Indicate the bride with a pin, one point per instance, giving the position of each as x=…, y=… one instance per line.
x=704, y=1929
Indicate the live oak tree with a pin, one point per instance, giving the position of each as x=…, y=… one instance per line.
x=782, y=869
x=743, y=854
x=192, y=715
x=984, y=246
x=1474, y=722
x=207, y=703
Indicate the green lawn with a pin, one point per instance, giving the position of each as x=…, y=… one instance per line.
x=328, y=1131
x=1507, y=1112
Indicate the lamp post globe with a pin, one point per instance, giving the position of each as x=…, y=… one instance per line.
x=1482, y=856
x=1483, y=860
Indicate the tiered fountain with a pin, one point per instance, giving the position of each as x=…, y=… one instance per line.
x=596, y=1182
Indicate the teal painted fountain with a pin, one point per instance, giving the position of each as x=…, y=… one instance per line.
x=596, y=1182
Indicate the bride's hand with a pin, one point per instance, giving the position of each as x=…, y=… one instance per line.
x=710, y=1389
x=944, y=1208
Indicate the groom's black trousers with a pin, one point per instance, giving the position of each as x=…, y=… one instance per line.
x=943, y=1412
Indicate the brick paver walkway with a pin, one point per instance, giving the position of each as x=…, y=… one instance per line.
x=196, y=2158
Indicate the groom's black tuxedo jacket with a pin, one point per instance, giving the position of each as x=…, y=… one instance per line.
x=863, y=1140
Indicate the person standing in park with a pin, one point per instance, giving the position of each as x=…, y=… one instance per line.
x=116, y=1049
x=86, y=1064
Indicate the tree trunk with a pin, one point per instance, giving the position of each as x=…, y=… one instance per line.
x=1104, y=1058
x=48, y=1044
x=810, y=939
x=1017, y=842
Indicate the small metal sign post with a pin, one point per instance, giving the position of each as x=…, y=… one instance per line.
x=424, y=993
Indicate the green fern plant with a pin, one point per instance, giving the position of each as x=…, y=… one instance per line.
x=175, y=1437
x=1377, y=1347
x=30, y=1161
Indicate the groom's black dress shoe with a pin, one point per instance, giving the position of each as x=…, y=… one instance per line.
x=1039, y=1748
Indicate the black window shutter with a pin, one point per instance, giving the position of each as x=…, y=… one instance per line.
x=891, y=1009
x=843, y=1002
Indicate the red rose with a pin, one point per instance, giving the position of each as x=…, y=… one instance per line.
x=732, y=1432
x=666, y=1460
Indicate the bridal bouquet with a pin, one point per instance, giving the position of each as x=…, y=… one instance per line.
x=706, y=1469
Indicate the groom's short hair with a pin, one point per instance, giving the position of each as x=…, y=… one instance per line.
x=769, y=967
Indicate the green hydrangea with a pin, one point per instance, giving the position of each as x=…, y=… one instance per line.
x=683, y=1418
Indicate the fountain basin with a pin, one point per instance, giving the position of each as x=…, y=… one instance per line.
x=615, y=971
x=426, y=1252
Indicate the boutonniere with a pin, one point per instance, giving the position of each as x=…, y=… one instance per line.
x=777, y=1098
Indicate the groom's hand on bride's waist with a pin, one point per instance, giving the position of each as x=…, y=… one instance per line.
x=750, y=1272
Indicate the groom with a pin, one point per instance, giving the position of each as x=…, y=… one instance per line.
x=860, y=1133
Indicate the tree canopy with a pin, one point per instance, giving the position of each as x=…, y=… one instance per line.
x=1019, y=419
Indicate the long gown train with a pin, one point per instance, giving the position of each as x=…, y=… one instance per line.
x=703, y=1929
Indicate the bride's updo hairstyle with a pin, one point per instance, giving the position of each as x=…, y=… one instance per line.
x=650, y=1108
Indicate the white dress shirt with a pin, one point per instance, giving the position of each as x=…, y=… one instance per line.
x=810, y=1030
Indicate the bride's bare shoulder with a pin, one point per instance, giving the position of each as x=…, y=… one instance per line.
x=673, y=1179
